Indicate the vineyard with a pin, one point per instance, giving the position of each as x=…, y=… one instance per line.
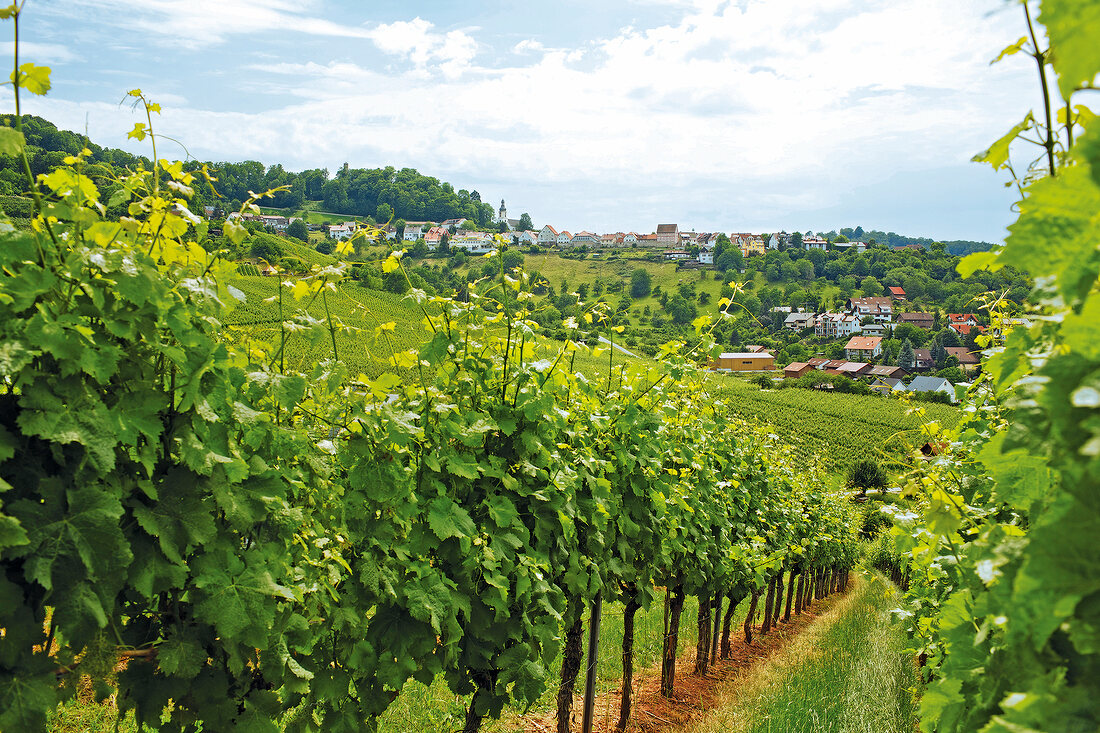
x=835, y=429
x=230, y=531
x=295, y=504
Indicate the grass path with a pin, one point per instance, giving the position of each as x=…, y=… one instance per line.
x=846, y=674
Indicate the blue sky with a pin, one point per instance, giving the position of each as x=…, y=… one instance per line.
x=606, y=116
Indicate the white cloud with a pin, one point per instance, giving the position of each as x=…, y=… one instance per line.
x=197, y=23
x=416, y=41
x=528, y=45
x=38, y=53
x=765, y=105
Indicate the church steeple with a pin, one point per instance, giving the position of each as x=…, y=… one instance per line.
x=502, y=215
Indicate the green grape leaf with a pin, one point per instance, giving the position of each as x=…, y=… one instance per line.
x=25, y=700
x=997, y=153
x=977, y=261
x=1057, y=230
x=35, y=79
x=448, y=519
x=1010, y=50
x=181, y=657
x=11, y=141
x=12, y=533
x=1073, y=27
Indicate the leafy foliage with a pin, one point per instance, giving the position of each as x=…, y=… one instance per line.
x=276, y=547
x=1005, y=575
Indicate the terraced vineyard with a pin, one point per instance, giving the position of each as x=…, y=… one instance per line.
x=835, y=429
x=359, y=309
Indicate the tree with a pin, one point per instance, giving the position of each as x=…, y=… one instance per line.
x=475, y=196
x=939, y=354
x=298, y=230
x=383, y=214
x=681, y=309
x=525, y=222
x=870, y=286
x=512, y=258
x=325, y=246
x=266, y=248
x=731, y=259
x=906, y=359
x=817, y=257
x=640, y=283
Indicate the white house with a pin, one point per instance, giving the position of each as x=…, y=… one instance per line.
x=850, y=246
x=877, y=329
x=586, y=239
x=548, y=236
x=630, y=239
x=799, y=321
x=476, y=243
x=837, y=325
x=706, y=254
x=564, y=238
x=341, y=231
x=529, y=237
x=880, y=309
x=863, y=347
x=809, y=243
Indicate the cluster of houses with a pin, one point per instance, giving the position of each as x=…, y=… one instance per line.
x=873, y=317
x=687, y=248
x=885, y=378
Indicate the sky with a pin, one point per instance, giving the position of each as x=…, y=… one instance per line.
x=603, y=115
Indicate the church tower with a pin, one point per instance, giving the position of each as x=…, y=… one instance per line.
x=502, y=215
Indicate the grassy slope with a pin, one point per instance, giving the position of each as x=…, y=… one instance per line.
x=311, y=213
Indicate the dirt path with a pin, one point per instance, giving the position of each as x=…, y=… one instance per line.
x=694, y=695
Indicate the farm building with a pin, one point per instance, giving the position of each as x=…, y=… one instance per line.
x=744, y=362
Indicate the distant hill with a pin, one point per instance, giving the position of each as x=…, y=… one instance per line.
x=381, y=193
x=957, y=247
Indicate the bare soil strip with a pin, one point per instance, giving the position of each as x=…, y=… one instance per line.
x=744, y=671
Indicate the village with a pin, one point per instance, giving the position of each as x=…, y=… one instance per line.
x=688, y=248
x=862, y=353
x=863, y=324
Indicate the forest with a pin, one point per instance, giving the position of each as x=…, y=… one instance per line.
x=378, y=194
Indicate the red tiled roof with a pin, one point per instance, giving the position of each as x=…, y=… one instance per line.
x=863, y=343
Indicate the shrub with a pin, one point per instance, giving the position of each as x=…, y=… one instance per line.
x=866, y=474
